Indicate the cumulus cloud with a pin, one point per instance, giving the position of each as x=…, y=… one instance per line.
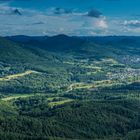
x=16, y=11
x=59, y=11
x=50, y=22
x=131, y=27
x=94, y=13
x=6, y=10
x=54, y=21
x=132, y=23
x=62, y=11
x=102, y=23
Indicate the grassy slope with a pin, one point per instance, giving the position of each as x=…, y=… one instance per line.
x=15, y=76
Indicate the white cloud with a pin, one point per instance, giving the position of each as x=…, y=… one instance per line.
x=133, y=23
x=40, y=23
x=72, y=23
x=102, y=23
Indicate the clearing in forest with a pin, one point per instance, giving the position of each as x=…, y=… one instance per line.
x=15, y=76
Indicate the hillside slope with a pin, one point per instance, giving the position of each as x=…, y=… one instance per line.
x=64, y=60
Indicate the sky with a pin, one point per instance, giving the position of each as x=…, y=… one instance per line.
x=70, y=17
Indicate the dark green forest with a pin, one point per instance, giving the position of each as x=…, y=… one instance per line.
x=69, y=88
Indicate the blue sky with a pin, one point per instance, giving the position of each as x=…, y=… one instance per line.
x=71, y=17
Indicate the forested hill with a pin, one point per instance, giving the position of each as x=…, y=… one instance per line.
x=62, y=60
x=54, y=43
x=96, y=46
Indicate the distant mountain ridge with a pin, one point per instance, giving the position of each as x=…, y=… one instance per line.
x=54, y=43
x=66, y=43
x=96, y=39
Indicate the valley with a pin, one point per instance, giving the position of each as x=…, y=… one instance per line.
x=69, y=88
